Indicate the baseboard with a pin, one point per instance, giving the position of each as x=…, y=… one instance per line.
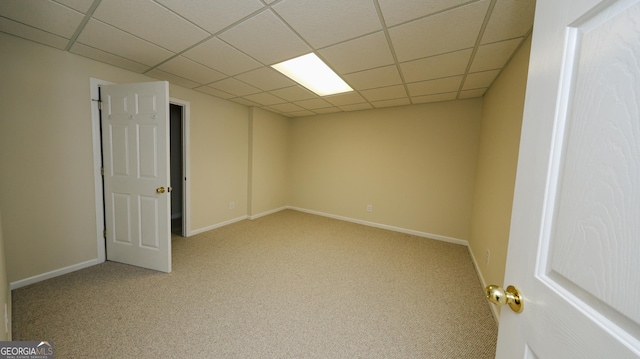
x=384, y=226
x=494, y=309
x=256, y=216
x=58, y=272
x=54, y=273
x=218, y=225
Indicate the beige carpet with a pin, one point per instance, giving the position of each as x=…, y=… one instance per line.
x=289, y=285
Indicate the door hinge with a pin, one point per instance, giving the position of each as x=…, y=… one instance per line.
x=102, y=171
x=99, y=104
x=104, y=233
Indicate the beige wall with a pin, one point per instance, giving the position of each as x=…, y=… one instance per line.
x=46, y=156
x=270, y=138
x=497, y=162
x=5, y=293
x=415, y=164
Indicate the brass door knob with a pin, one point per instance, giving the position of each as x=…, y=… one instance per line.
x=499, y=296
x=160, y=190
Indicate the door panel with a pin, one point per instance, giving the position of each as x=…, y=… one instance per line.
x=574, y=251
x=121, y=217
x=136, y=150
x=147, y=156
x=149, y=222
x=596, y=213
x=119, y=137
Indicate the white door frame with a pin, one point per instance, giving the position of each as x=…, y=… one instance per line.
x=97, y=163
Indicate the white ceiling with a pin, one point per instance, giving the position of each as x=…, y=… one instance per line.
x=392, y=52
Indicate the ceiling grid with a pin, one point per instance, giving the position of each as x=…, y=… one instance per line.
x=391, y=52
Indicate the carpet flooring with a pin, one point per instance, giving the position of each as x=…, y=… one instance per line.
x=287, y=285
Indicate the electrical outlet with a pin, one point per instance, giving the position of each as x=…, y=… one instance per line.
x=488, y=256
x=369, y=208
x=232, y=205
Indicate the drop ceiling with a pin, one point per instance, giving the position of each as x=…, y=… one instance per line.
x=391, y=52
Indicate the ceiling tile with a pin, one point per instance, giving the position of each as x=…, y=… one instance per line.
x=391, y=103
x=356, y=107
x=99, y=55
x=191, y=70
x=44, y=15
x=451, y=64
x=245, y=102
x=480, y=79
x=294, y=93
x=385, y=93
x=266, y=78
x=81, y=5
x=299, y=113
x=287, y=107
x=109, y=39
x=33, y=34
x=380, y=77
x=493, y=56
x=214, y=92
x=398, y=11
x=327, y=110
x=435, y=98
x=150, y=21
x=264, y=99
x=327, y=22
x=213, y=16
x=177, y=80
x=448, y=84
x=423, y=54
x=425, y=37
x=313, y=104
x=344, y=99
x=509, y=19
x=364, y=53
x=234, y=87
x=265, y=38
x=217, y=55
x=472, y=93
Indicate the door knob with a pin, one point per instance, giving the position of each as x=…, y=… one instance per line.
x=160, y=190
x=499, y=296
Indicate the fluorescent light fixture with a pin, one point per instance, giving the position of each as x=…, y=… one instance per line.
x=309, y=71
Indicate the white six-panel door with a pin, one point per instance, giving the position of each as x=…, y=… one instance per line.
x=135, y=140
x=574, y=250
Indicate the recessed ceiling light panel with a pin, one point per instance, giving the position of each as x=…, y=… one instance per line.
x=309, y=71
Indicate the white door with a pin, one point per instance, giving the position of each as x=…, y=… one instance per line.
x=574, y=249
x=135, y=140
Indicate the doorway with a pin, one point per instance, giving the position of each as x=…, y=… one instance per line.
x=176, y=136
x=179, y=115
